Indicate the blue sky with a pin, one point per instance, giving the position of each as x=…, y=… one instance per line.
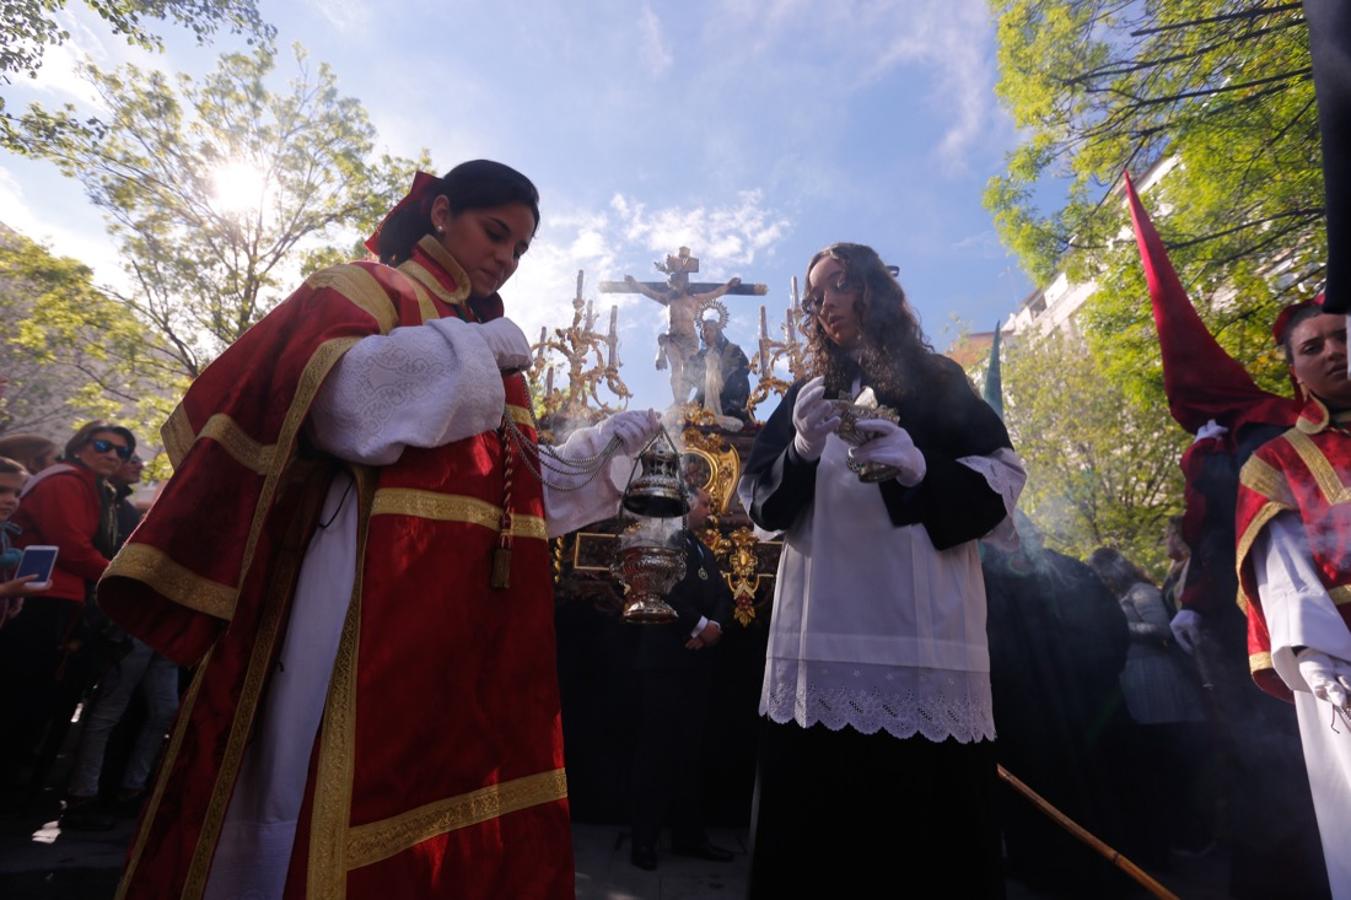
x=753, y=132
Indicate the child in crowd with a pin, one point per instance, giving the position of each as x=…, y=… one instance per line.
x=12, y=590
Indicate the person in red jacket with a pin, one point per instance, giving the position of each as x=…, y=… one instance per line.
x=67, y=506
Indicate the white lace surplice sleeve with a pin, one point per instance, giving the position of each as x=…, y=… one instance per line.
x=568, y=507
x=420, y=386
x=1297, y=607
x=1004, y=472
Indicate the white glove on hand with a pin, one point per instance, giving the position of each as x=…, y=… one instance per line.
x=1186, y=627
x=507, y=343
x=1211, y=429
x=1328, y=678
x=814, y=418
x=634, y=428
x=891, y=446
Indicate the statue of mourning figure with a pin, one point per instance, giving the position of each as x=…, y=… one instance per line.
x=720, y=371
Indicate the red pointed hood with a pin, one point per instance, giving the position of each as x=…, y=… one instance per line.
x=1202, y=381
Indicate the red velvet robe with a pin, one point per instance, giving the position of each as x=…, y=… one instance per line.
x=438, y=769
x=1308, y=471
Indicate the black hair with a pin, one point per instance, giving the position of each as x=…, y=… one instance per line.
x=1116, y=571
x=1299, y=315
x=477, y=184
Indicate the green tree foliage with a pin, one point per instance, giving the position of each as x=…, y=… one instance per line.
x=1102, y=466
x=1221, y=86
x=1217, y=95
x=221, y=193
x=31, y=26
x=71, y=353
x=1099, y=85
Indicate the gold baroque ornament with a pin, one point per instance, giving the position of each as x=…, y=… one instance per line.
x=722, y=462
x=737, y=550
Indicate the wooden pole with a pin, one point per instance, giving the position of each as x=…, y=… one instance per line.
x=1113, y=856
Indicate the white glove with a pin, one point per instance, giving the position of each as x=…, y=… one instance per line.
x=634, y=428
x=814, y=418
x=1186, y=627
x=1328, y=678
x=890, y=446
x=1209, y=430
x=507, y=343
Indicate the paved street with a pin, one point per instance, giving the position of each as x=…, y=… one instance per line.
x=40, y=862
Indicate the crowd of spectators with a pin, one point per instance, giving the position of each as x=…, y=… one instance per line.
x=60, y=658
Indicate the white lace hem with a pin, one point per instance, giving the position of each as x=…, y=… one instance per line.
x=903, y=701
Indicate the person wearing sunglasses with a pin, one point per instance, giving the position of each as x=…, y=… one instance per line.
x=68, y=506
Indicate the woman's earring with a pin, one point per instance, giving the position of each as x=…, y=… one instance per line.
x=440, y=229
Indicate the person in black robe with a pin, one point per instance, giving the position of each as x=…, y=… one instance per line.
x=1058, y=641
x=673, y=664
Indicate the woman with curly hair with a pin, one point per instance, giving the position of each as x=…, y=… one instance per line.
x=877, y=756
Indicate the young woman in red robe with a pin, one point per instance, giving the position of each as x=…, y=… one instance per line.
x=353, y=553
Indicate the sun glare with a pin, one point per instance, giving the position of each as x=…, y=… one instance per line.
x=239, y=187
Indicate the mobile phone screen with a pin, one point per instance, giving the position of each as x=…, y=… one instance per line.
x=37, y=561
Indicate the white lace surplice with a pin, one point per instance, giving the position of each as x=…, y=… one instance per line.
x=875, y=629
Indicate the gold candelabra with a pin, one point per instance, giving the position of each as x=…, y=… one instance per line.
x=770, y=352
x=591, y=359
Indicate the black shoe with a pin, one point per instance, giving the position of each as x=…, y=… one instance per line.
x=644, y=856
x=706, y=850
x=128, y=804
x=83, y=814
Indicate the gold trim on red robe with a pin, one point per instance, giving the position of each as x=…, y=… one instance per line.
x=443, y=706
x=1307, y=471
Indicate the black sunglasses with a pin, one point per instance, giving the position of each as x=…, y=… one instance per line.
x=102, y=446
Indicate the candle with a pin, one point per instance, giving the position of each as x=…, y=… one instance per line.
x=549, y=381
x=791, y=322
x=613, y=339
x=764, y=344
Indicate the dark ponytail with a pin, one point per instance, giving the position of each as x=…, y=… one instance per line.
x=478, y=184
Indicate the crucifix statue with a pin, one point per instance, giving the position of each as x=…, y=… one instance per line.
x=683, y=299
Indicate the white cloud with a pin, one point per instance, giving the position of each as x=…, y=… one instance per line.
x=724, y=236
x=943, y=35
x=94, y=250
x=345, y=16
x=90, y=41
x=657, y=55
x=856, y=43
x=60, y=76
x=984, y=244
x=623, y=239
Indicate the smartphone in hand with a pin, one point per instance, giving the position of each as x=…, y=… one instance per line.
x=39, y=560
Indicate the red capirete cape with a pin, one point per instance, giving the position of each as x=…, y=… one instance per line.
x=1308, y=471
x=438, y=769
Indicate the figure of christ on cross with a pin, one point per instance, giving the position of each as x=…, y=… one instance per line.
x=683, y=299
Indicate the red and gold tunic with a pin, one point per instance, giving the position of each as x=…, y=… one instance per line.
x=1307, y=470
x=438, y=769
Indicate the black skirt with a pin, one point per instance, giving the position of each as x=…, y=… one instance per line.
x=839, y=813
